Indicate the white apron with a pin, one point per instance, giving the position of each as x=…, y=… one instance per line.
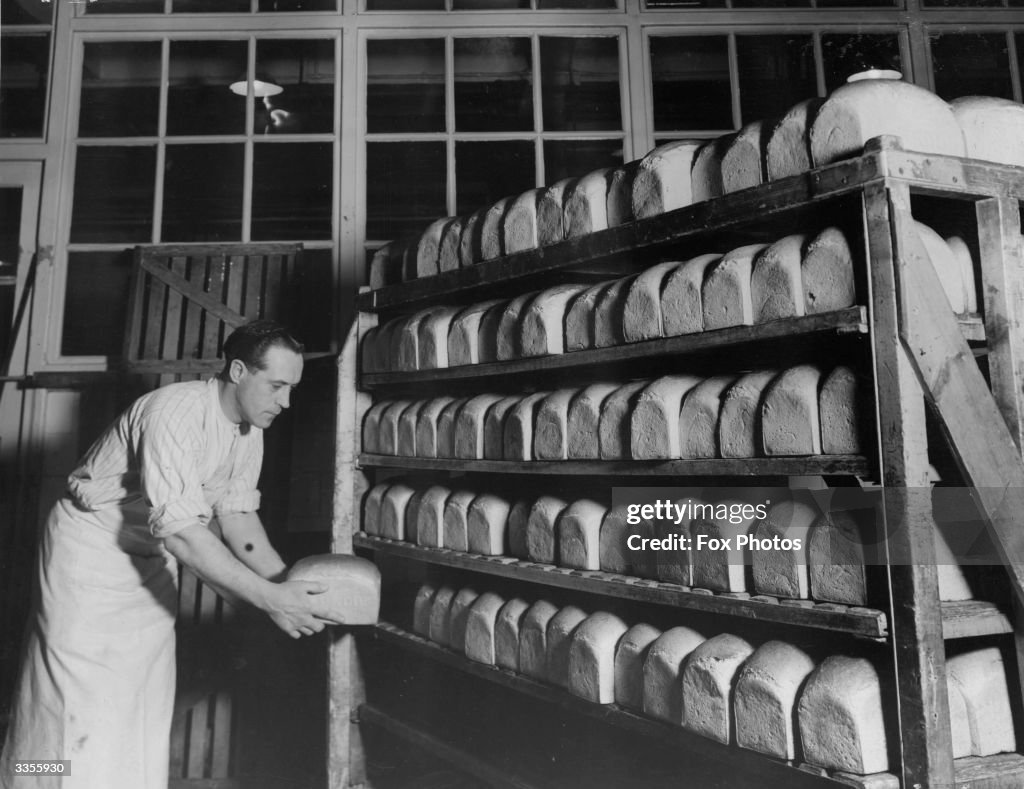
x=97, y=684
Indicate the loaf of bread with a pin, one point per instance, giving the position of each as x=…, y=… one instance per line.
x=469, y=426
x=408, y=252
x=407, y=421
x=433, y=338
x=542, y=324
x=698, y=417
x=838, y=413
x=579, y=535
x=993, y=128
x=550, y=213
x=518, y=434
x=439, y=630
x=788, y=151
x=369, y=355
x=836, y=559
x=858, y=111
x=620, y=194
x=682, y=308
x=487, y=333
x=506, y=633
x=408, y=336
x=706, y=172
x=661, y=182
x=579, y=318
x=550, y=434
x=583, y=421
x=371, y=508
x=421, y=608
x=387, y=435
x=663, y=669
x=455, y=520
x=519, y=230
x=827, y=273
x=428, y=247
x=560, y=632
x=654, y=423
x=446, y=421
x=592, y=657
x=385, y=269
x=586, y=204
x=429, y=522
x=353, y=586
x=743, y=159
x=518, y=517
x=776, y=290
x=840, y=717
x=458, y=617
x=614, y=555
x=412, y=514
x=492, y=230
x=451, y=239
x=789, y=413
x=641, y=310
x=541, y=533
x=469, y=241
x=962, y=253
x=725, y=296
x=608, y=310
x=481, y=628
x=630, y=656
x=739, y=422
x=387, y=344
x=707, y=685
x=510, y=332
x=464, y=333
x=533, y=640
x=764, y=699
x=494, y=427
x=723, y=570
x=371, y=426
x=486, y=525
x=392, y=511
x=676, y=567
x=426, y=425
x=979, y=703
x=783, y=572
x=614, y=427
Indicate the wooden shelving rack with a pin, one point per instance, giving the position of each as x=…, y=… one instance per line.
x=920, y=357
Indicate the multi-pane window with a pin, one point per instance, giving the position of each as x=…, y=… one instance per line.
x=198, y=140
x=966, y=64
x=25, y=34
x=457, y=123
x=208, y=6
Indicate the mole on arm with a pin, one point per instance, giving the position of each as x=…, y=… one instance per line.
x=248, y=546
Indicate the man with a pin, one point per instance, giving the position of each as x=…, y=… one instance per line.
x=97, y=682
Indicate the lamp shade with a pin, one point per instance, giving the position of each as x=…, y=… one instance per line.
x=261, y=86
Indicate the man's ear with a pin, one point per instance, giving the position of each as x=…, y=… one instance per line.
x=236, y=370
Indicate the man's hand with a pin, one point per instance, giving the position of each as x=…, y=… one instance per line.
x=293, y=606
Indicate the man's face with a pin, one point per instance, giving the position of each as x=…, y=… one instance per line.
x=262, y=394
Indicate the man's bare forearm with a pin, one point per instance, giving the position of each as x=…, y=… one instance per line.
x=247, y=539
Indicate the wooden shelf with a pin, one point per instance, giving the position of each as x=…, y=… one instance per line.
x=863, y=622
x=856, y=465
x=969, y=618
x=776, y=773
x=852, y=320
x=749, y=210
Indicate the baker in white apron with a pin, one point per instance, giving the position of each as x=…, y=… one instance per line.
x=97, y=683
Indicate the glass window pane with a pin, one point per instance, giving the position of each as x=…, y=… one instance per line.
x=96, y=303
x=856, y=3
x=846, y=54
x=586, y=4
x=770, y=3
x=126, y=7
x=291, y=192
x=493, y=84
x=203, y=193
x=486, y=5
x=312, y=296
x=298, y=5
x=10, y=228
x=573, y=158
x=405, y=5
x=25, y=12
x=775, y=73
x=210, y=6
x=691, y=83
x=485, y=172
x=963, y=3
x=405, y=85
x=24, y=65
x=405, y=187
x=120, y=89
x=114, y=194
x=304, y=70
x=685, y=4
x=580, y=83
x=971, y=64
x=198, y=99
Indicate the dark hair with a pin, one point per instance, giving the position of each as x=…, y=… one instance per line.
x=250, y=342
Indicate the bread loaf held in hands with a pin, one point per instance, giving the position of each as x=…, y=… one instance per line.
x=353, y=593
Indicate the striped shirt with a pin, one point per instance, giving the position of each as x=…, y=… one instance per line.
x=171, y=460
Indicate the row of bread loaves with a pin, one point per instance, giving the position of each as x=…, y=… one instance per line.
x=774, y=698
